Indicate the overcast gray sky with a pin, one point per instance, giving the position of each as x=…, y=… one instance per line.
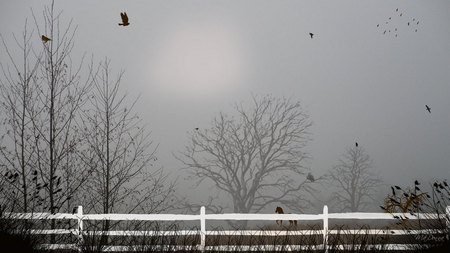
x=188, y=60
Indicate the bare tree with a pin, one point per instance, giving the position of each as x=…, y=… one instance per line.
x=355, y=181
x=123, y=152
x=255, y=158
x=17, y=149
x=60, y=96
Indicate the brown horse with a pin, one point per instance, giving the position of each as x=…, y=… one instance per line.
x=280, y=210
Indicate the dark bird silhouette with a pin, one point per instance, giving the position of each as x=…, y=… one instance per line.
x=310, y=177
x=378, y=25
x=417, y=22
x=396, y=9
x=124, y=17
x=408, y=23
x=196, y=128
x=401, y=14
x=311, y=34
x=428, y=108
x=356, y=144
x=384, y=32
x=45, y=39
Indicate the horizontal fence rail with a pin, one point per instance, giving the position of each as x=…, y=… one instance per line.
x=202, y=217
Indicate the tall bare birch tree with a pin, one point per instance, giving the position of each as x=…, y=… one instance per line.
x=123, y=179
x=255, y=157
x=17, y=88
x=60, y=95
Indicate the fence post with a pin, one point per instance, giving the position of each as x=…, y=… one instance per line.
x=202, y=229
x=80, y=226
x=325, y=228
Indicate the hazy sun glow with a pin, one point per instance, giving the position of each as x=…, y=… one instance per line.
x=200, y=59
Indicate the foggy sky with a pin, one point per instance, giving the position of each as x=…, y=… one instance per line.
x=189, y=60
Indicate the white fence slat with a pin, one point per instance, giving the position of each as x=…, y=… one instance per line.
x=202, y=217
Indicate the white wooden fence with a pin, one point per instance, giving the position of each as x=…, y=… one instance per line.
x=203, y=217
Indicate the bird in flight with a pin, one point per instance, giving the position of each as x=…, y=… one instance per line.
x=311, y=34
x=45, y=38
x=310, y=177
x=124, y=17
x=428, y=108
x=356, y=144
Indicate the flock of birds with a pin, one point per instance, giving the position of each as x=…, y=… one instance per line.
x=411, y=22
x=397, y=21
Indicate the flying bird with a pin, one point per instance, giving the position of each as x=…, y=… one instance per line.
x=124, y=17
x=311, y=34
x=356, y=144
x=45, y=38
x=310, y=177
x=196, y=128
x=428, y=108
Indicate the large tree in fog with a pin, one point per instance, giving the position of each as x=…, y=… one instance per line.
x=121, y=153
x=255, y=156
x=355, y=180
